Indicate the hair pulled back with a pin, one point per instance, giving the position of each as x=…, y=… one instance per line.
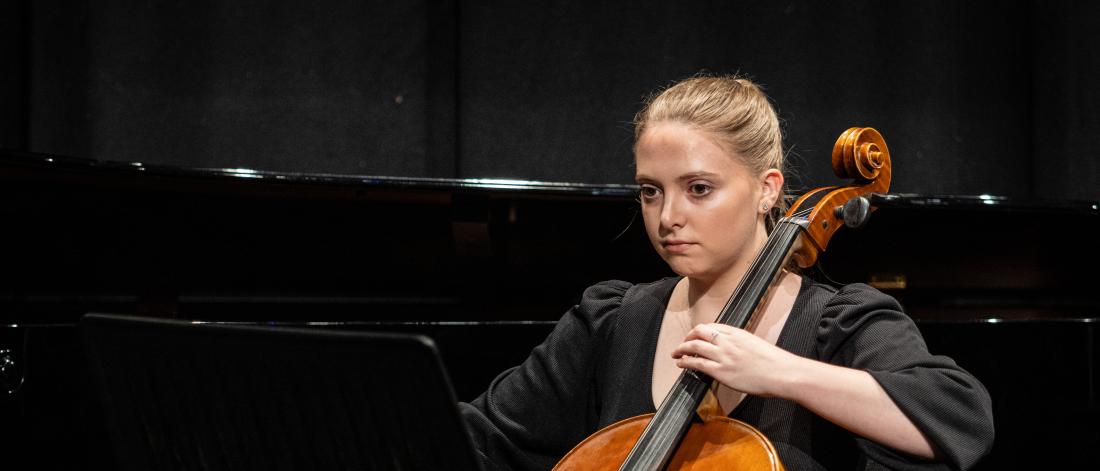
x=734, y=111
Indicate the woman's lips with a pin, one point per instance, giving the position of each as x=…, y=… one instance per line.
x=677, y=246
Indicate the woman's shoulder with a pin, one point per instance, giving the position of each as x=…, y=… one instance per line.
x=608, y=300
x=623, y=292
x=839, y=311
x=608, y=289
x=852, y=321
x=837, y=300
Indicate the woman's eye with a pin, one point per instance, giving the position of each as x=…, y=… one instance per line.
x=648, y=191
x=699, y=189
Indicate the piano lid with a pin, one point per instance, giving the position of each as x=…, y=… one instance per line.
x=239, y=244
x=25, y=164
x=19, y=164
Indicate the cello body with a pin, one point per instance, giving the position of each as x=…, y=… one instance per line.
x=671, y=439
x=716, y=443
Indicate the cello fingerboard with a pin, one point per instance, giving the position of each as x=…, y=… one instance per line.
x=662, y=436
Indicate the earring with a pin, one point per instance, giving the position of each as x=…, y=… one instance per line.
x=764, y=206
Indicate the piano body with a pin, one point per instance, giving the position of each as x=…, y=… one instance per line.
x=1000, y=285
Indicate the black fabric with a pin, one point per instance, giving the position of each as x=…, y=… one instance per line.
x=214, y=397
x=596, y=369
x=970, y=102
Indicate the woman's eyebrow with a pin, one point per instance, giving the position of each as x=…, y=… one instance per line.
x=639, y=178
x=694, y=175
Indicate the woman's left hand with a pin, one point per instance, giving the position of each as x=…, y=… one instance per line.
x=850, y=398
x=737, y=359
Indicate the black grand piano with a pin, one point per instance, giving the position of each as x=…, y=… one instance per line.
x=1003, y=286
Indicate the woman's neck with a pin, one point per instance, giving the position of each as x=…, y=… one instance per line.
x=706, y=296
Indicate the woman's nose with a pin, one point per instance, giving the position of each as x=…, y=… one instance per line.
x=671, y=213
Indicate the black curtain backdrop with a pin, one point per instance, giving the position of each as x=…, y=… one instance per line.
x=973, y=97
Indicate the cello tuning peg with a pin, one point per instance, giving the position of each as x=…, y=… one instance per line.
x=854, y=212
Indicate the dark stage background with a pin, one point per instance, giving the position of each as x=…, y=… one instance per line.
x=974, y=97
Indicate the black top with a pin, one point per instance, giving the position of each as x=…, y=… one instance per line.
x=595, y=369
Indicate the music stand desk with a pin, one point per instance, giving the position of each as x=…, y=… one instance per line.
x=188, y=396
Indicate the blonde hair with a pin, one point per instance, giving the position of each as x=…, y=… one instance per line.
x=733, y=110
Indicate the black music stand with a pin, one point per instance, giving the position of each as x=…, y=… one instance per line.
x=187, y=396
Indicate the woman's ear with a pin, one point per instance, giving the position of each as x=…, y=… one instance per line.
x=771, y=183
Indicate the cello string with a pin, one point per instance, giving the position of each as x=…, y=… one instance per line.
x=689, y=388
x=758, y=264
x=685, y=398
x=770, y=254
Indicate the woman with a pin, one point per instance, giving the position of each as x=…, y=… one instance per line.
x=837, y=378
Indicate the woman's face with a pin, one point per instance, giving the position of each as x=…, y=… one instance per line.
x=702, y=207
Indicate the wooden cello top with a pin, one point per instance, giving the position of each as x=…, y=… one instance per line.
x=668, y=439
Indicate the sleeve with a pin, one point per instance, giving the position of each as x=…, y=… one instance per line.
x=534, y=413
x=865, y=329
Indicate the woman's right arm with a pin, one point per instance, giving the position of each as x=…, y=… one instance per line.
x=534, y=413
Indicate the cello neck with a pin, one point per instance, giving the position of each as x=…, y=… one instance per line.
x=658, y=442
x=762, y=273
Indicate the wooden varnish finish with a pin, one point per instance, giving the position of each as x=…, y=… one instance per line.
x=860, y=154
x=719, y=442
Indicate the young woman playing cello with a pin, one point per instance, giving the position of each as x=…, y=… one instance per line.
x=836, y=378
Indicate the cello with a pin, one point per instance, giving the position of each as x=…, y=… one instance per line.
x=671, y=438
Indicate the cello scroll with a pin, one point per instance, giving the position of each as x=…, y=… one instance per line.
x=861, y=155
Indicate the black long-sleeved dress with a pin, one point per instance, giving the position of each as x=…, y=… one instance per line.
x=596, y=369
